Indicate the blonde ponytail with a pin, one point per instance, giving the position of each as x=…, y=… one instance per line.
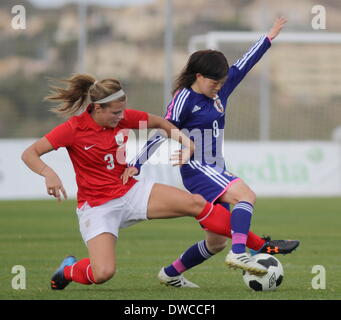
x=81, y=90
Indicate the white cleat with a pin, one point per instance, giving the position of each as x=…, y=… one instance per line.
x=245, y=262
x=178, y=281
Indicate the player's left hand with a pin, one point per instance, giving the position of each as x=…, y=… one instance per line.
x=128, y=173
x=180, y=157
x=277, y=27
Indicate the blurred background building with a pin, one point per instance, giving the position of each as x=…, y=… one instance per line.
x=127, y=42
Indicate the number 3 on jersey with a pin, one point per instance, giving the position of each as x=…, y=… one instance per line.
x=109, y=158
x=215, y=129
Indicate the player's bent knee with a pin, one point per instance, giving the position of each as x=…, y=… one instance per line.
x=198, y=202
x=252, y=196
x=248, y=196
x=216, y=247
x=103, y=274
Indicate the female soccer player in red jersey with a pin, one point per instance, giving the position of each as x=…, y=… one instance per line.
x=95, y=140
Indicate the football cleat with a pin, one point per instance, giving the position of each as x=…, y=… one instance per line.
x=276, y=246
x=245, y=262
x=58, y=282
x=177, y=281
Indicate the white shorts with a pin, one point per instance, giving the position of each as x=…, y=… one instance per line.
x=117, y=213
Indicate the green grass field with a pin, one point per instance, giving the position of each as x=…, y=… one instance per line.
x=38, y=234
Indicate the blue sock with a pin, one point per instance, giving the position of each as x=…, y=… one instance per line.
x=240, y=224
x=193, y=256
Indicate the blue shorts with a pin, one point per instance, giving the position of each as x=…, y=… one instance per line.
x=208, y=181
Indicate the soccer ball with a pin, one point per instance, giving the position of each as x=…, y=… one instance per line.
x=271, y=280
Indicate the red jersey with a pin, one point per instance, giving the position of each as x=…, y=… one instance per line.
x=98, y=154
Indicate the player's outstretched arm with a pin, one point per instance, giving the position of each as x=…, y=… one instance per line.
x=168, y=130
x=171, y=131
x=239, y=70
x=277, y=27
x=31, y=157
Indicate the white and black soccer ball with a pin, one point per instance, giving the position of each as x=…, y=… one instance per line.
x=271, y=280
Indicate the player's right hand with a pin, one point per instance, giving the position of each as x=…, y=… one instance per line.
x=54, y=187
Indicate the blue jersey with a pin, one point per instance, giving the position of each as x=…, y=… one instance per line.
x=203, y=120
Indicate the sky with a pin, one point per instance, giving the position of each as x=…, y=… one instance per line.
x=110, y=3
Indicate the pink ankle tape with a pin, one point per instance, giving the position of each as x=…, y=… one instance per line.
x=179, y=266
x=239, y=238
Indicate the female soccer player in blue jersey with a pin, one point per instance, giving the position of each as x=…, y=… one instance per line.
x=198, y=108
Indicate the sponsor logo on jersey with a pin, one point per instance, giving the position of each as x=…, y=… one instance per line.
x=89, y=147
x=196, y=108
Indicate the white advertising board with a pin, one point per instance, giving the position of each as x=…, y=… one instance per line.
x=283, y=169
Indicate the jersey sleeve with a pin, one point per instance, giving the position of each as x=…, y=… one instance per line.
x=176, y=111
x=147, y=151
x=132, y=118
x=61, y=136
x=176, y=114
x=239, y=70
